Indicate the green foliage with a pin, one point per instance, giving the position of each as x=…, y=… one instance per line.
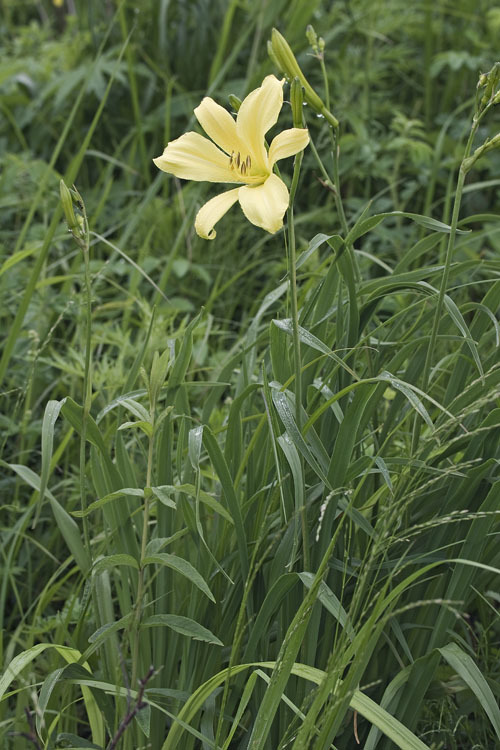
x=225, y=522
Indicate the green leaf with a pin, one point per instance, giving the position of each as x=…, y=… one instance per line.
x=181, y=566
x=190, y=489
x=146, y=427
x=366, y=225
x=460, y=323
x=389, y=725
x=100, y=635
x=137, y=409
x=67, y=526
x=113, y=561
x=126, y=491
x=183, y=358
x=310, y=340
x=163, y=495
x=76, y=742
x=183, y=625
x=49, y=419
x=73, y=412
x=466, y=668
x=329, y=602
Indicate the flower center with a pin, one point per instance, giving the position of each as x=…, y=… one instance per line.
x=240, y=165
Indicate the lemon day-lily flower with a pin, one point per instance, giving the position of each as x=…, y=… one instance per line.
x=238, y=154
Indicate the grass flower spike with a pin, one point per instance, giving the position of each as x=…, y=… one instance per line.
x=238, y=154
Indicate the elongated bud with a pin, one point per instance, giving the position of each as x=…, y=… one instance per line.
x=285, y=60
x=234, y=102
x=288, y=64
x=67, y=204
x=272, y=56
x=297, y=100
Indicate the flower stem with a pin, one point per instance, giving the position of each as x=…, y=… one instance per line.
x=144, y=541
x=444, y=278
x=87, y=377
x=292, y=272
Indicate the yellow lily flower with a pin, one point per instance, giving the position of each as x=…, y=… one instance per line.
x=238, y=154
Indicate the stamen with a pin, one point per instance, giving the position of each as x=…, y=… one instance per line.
x=238, y=160
x=243, y=169
x=231, y=160
x=248, y=163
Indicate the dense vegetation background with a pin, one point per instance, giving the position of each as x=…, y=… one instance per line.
x=395, y=495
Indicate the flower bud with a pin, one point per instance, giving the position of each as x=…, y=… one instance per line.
x=290, y=67
x=67, y=205
x=234, y=102
x=312, y=37
x=297, y=100
x=285, y=60
x=272, y=56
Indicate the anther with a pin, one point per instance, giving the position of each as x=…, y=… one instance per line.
x=238, y=160
x=248, y=163
x=243, y=169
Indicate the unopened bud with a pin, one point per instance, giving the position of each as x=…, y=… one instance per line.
x=67, y=205
x=272, y=56
x=285, y=60
x=297, y=100
x=312, y=37
x=234, y=102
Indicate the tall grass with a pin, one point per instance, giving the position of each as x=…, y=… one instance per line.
x=250, y=488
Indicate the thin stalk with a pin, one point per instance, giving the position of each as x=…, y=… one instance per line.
x=144, y=541
x=292, y=272
x=87, y=378
x=444, y=278
x=336, y=182
x=325, y=80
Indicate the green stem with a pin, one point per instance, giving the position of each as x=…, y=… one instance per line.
x=144, y=541
x=444, y=278
x=87, y=380
x=292, y=272
x=325, y=81
x=336, y=182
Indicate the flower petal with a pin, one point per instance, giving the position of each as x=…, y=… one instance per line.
x=287, y=143
x=218, y=124
x=258, y=112
x=193, y=157
x=265, y=205
x=212, y=211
